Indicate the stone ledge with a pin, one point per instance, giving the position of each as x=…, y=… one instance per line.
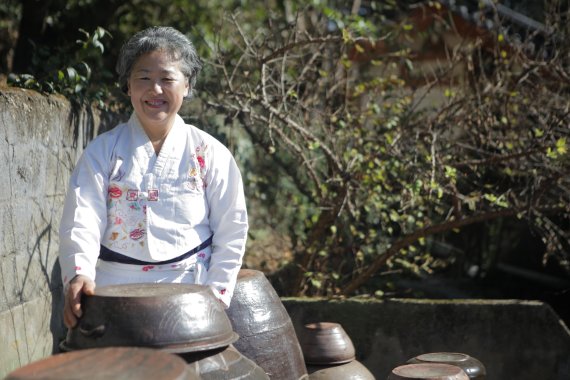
x=515, y=339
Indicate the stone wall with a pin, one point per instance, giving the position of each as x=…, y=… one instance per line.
x=523, y=340
x=40, y=140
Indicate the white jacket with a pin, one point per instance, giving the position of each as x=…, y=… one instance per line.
x=155, y=208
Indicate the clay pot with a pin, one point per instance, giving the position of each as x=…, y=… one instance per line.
x=428, y=371
x=222, y=364
x=126, y=363
x=353, y=370
x=471, y=366
x=326, y=343
x=172, y=317
x=266, y=333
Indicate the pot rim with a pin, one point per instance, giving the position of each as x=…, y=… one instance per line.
x=175, y=348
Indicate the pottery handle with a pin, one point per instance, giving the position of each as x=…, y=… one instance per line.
x=95, y=332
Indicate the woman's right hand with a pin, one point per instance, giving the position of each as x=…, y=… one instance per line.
x=72, y=309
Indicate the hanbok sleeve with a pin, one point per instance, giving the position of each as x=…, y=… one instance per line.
x=228, y=222
x=84, y=216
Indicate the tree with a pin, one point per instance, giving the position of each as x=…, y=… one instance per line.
x=360, y=173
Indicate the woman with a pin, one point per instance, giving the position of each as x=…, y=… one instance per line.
x=154, y=199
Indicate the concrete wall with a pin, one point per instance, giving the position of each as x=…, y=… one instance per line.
x=40, y=139
x=521, y=340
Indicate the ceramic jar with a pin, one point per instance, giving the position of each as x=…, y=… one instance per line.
x=126, y=363
x=471, y=366
x=330, y=353
x=266, y=333
x=427, y=371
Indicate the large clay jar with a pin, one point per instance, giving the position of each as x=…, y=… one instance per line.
x=222, y=364
x=125, y=363
x=173, y=317
x=428, y=371
x=471, y=366
x=266, y=333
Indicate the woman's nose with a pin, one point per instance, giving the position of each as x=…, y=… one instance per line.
x=156, y=87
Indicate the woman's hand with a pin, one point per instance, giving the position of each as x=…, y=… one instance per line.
x=72, y=309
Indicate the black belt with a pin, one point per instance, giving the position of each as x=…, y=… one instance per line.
x=108, y=255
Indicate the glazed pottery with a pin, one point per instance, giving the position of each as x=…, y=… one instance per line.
x=172, y=317
x=428, y=371
x=266, y=333
x=352, y=370
x=471, y=366
x=222, y=364
x=122, y=363
x=326, y=343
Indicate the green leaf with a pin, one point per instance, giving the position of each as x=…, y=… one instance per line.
x=71, y=74
x=346, y=37
x=86, y=69
x=450, y=172
x=561, y=147
x=99, y=45
x=316, y=283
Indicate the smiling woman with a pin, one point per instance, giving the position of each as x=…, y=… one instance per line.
x=154, y=199
x=157, y=88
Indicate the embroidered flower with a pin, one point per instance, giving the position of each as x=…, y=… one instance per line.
x=134, y=206
x=76, y=268
x=137, y=234
x=152, y=195
x=201, y=162
x=115, y=192
x=201, y=153
x=198, y=160
x=118, y=220
x=222, y=291
x=132, y=195
x=146, y=268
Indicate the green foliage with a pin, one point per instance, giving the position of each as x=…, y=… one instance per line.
x=69, y=71
x=363, y=173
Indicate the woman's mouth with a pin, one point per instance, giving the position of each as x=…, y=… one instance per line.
x=155, y=103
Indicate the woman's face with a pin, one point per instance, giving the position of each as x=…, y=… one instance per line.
x=157, y=88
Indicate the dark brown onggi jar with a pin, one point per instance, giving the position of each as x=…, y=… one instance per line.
x=330, y=354
x=266, y=332
x=125, y=363
x=428, y=371
x=326, y=343
x=171, y=317
x=471, y=366
x=225, y=363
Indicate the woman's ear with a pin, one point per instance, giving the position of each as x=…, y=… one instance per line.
x=187, y=88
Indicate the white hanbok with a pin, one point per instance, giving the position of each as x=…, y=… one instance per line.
x=155, y=208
